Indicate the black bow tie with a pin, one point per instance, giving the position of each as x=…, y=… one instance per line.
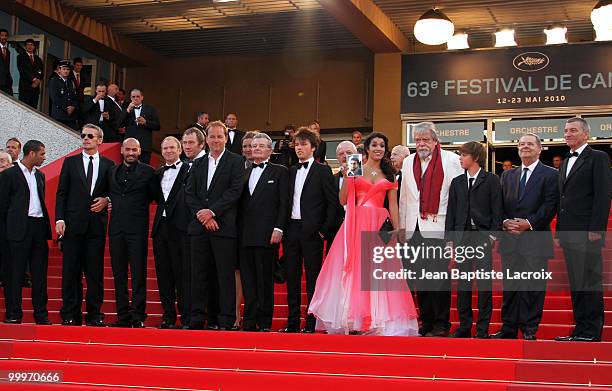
x=260, y=165
x=573, y=154
x=166, y=168
x=300, y=165
x=138, y=107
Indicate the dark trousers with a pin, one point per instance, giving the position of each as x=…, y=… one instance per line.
x=83, y=254
x=257, y=274
x=433, y=296
x=168, y=252
x=522, y=300
x=475, y=239
x=129, y=249
x=208, y=251
x=186, y=278
x=30, y=96
x=33, y=250
x=145, y=157
x=306, y=251
x=584, y=270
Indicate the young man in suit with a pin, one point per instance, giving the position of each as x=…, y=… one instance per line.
x=263, y=215
x=22, y=196
x=6, y=81
x=426, y=180
x=102, y=110
x=473, y=215
x=140, y=121
x=234, y=136
x=62, y=92
x=132, y=186
x=529, y=196
x=585, y=185
x=30, y=68
x=81, y=217
x=169, y=224
x=212, y=193
x=312, y=208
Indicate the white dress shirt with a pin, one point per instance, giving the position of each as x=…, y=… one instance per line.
x=101, y=104
x=300, y=178
x=96, y=166
x=530, y=169
x=424, y=164
x=255, y=175
x=168, y=180
x=137, y=111
x=231, y=133
x=212, y=167
x=35, y=208
x=572, y=159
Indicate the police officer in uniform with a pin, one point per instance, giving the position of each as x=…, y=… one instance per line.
x=62, y=92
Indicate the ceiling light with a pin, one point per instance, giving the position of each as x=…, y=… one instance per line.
x=225, y=1
x=433, y=28
x=556, y=34
x=601, y=17
x=458, y=41
x=504, y=38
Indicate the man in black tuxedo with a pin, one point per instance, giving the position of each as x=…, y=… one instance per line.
x=202, y=120
x=474, y=213
x=132, y=186
x=321, y=151
x=30, y=68
x=313, y=207
x=212, y=193
x=169, y=225
x=102, y=111
x=234, y=136
x=585, y=185
x=530, y=196
x=62, y=92
x=6, y=81
x=263, y=216
x=140, y=121
x=81, y=217
x=22, y=199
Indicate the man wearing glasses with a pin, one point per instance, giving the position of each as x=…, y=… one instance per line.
x=81, y=219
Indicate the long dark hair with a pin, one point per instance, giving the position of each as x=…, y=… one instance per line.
x=385, y=164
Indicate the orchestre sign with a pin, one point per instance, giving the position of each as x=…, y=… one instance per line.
x=548, y=128
x=600, y=126
x=449, y=132
x=509, y=78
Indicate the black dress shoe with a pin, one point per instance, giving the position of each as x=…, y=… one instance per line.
x=43, y=322
x=96, y=323
x=424, y=330
x=138, y=324
x=461, y=334
x=252, y=328
x=167, y=325
x=70, y=322
x=264, y=329
x=579, y=338
x=213, y=327
x=12, y=321
x=437, y=333
x=196, y=326
x=529, y=337
x=231, y=328
x=481, y=336
x=503, y=335
x=289, y=329
x=122, y=323
x=308, y=330
x=565, y=338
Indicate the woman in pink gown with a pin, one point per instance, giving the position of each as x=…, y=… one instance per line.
x=347, y=299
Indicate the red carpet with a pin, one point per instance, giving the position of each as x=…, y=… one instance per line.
x=152, y=359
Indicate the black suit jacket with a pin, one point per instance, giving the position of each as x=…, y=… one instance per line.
x=91, y=113
x=538, y=205
x=85, y=81
x=176, y=209
x=73, y=200
x=266, y=208
x=320, y=152
x=340, y=212
x=6, y=80
x=318, y=202
x=485, y=205
x=15, y=202
x=63, y=94
x=221, y=197
x=28, y=71
x=144, y=134
x=585, y=195
x=130, y=213
x=236, y=145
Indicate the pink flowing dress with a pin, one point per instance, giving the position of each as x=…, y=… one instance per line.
x=346, y=298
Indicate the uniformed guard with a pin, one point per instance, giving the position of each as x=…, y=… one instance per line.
x=63, y=95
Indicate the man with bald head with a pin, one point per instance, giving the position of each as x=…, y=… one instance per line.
x=132, y=187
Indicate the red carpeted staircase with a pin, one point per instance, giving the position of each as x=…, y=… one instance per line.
x=152, y=359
